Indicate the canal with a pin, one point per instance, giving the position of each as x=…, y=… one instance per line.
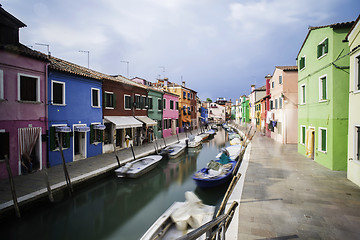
x=114, y=208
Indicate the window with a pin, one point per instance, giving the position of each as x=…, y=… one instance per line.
x=280, y=103
x=143, y=102
x=357, y=75
x=322, y=48
x=127, y=102
x=28, y=88
x=302, y=134
x=64, y=138
x=188, y=95
x=108, y=134
x=96, y=135
x=159, y=104
x=165, y=124
x=184, y=110
x=169, y=123
x=184, y=95
x=192, y=108
x=302, y=63
x=280, y=79
x=138, y=101
x=357, y=143
x=1, y=84
x=177, y=105
x=159, y=125
x=322, y=139
x=322, y=88
x=171, y=104
x=150, y=102
x=276, y=104
x=57, y=93
x=164, y=101
x=4, y=145
x=303, y=94
x=110, y=99
x=192, y=96
x=271, y=104
x=272, y=84
x=95, y=96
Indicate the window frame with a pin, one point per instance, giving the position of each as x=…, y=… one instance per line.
x=98, y=98
x=93, y=134
x=164, y=103
x=321, y=97
x=37, y=88
x=356, y=143
x=302, y=58
x=302, y=135
x=125, y=96
x=160, y=104
x=150, y=103
x=66, y=142
x=106, y=93
x=138, y=103
x=357, y=73
x=280, y=79
x=320, y=140
x=171, y=104
x=324, y=45
x=303, y=94
x=63, y=93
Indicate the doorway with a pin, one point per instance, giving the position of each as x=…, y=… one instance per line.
x=310, y=143
x=79, y=141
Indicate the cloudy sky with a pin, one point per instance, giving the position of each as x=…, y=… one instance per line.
x=218, y=47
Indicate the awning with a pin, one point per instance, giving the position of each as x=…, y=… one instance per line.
x=99, y=127
x=81, y=129
x=63, y=129
x=124, y=122
x=148, y=121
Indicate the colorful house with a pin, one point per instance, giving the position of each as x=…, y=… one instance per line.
x=216, y=112
x=204, y=113
x=255, y=95
x=323, y=87
x=155, y=112
x=283, y=115
x=245, y=105
x=353, y=151
x=170, y=114
x=193, y=108
x=23, y=121
x=74, y=112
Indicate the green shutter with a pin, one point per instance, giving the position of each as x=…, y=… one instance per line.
x=303, y=134
x=102, y=132
x=358, y=144
x=67, y=140
x=114, y=100
x=323, y=80
x=323, y=140
x=92, y=133
x=319, y=48
x=326, y=45
x=105, y=99
x=52, y=138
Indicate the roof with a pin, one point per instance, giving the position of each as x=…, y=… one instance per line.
x=9, y=20
x=287, y=68
x=335, y=25
x=24, y=51
x=352, y=28
x=263, y=88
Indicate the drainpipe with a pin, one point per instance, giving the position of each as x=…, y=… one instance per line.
x=46, y=112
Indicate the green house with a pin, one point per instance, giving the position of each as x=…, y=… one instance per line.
x=323, y=95
x=155, y=97
x=245, y=110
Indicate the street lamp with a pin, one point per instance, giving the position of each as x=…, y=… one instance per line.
x=88, y=53
x=43, y=44
x=127, y=67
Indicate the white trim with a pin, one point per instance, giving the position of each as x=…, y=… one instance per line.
x=320, y=139
x=37, y=87
x=320, y=88
x=137, y=104
x=125, y=108
x=356, y=74
x=1, y=84
x=143, y=96
x=52, y=93
x=104, y=96
x=301, y=135
x=152, y=104
x=320, y=44
x=304, y=56
x=98, y=97
x=302, y=101
x=85, y=141
x=356, y=143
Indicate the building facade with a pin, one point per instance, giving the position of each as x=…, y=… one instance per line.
x=155, y=112
x=170, y=114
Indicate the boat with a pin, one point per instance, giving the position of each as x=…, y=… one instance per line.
x=213, y=126
x=211, y=132
x=211, y=177
x=234, y=135
x=204, y=136
x=233, y=151
x=174, y=150
x=138, y=167
x=181, y=218
x=235, y=141
x=193, y=141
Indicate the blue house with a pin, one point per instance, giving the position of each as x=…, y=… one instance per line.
x=74, y=112
x=204, y=114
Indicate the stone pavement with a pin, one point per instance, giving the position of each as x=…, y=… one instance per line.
x=288, y=196
x=32, y=187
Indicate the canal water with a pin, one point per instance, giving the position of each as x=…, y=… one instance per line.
x=115, y=208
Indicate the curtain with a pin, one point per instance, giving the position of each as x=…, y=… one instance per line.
x=27, y=139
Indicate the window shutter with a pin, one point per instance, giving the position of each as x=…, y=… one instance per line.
x=105, y=96
x=326, y=45
x=319, y=50
x=67, y=140
x=92, y=133
x=323, y=139
x=114, y=100
x=303, y=134
x=52, y=138
x=358, y=144
x=324, y=88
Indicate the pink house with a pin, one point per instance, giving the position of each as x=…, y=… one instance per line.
x=23, y=121
x=170, y=114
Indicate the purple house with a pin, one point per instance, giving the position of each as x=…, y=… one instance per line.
x=170, y=114
x=22, y=101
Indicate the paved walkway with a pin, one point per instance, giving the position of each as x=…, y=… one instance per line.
x=32, y=187
x=288, y=196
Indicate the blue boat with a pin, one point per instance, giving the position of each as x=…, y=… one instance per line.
x=207, y=178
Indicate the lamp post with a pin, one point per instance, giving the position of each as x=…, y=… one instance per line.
x=127, y=68
x=88, y=53
x=43, y=44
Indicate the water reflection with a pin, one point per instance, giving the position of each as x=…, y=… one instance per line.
x=115, y=208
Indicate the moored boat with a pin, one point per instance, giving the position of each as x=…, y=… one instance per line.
x=194, y=141
x=204, y=136
x=174, y=150
x=233, y=151
x=138, y=167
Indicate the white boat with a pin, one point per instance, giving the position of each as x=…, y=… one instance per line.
x=234, y=152
x=193, y=141
x=181, y=218
x=204, y=136
x=175, y=150
x=211, y=132
x=138, y=167
x=235, y=141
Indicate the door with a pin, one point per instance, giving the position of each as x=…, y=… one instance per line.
x=79, y=145
x=310, y=143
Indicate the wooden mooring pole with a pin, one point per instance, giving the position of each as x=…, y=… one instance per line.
x=227, y=194
x=12, y=187
x=46, y=177
x=66, y=173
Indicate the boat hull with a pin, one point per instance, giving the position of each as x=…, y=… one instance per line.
x=216, y=181
x=139, y=167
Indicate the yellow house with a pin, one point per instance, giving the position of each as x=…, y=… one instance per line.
x=353, y=169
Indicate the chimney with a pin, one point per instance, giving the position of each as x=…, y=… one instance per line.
x=267, y=79
x=252, y=87
x=183, y=84
x=166, y=82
